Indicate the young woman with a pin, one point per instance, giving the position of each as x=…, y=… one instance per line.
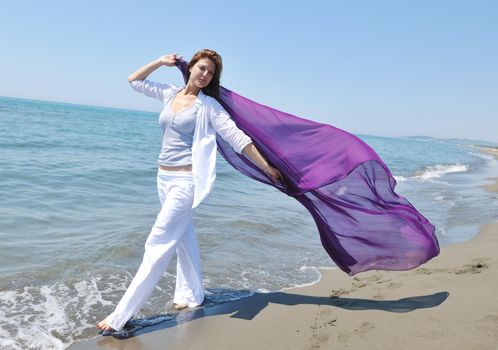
x=190, y=120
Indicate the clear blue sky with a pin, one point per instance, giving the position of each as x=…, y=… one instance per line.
x=388, y=68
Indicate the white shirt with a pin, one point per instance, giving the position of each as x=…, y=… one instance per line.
x=212, y=118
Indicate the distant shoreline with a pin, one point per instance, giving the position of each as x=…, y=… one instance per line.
x=488, y=149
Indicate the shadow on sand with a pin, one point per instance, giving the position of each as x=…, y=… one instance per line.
x=248, y=308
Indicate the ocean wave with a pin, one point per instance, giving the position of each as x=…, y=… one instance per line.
x=490, y=159
x=400, y=178
x=433, y=172
x=438, y=170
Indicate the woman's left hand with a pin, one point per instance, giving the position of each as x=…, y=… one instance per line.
x=274, y=174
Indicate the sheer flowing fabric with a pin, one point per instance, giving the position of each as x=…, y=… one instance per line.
x=349, y=191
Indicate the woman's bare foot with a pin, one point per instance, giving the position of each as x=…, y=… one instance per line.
x=104, y=326
x=180, y=306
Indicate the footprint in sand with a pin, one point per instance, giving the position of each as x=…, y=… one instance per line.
x=394, y=285
x=322, y=321
x=373, y=278
x=336, y=293
x=473, y=268
x=361, y=282
x=383, y=281
x=490, y=318
x=476, y=267
x=378, y=296
x=361, y=332
x=424, y=271
x=364, y=328
x=343, y=337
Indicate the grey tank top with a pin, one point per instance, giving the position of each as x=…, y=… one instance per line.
x=178, y=134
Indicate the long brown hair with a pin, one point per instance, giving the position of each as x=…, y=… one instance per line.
x=213, y=89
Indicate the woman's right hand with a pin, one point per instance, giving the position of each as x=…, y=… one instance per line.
x=169, y=60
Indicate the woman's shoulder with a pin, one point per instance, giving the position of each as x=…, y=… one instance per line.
x=213, y=102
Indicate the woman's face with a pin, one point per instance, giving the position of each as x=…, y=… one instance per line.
x=202, y=72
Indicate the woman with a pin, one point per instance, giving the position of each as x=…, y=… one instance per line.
x=190, y=120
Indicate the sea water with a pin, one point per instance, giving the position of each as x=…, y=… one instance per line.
x=78, y=198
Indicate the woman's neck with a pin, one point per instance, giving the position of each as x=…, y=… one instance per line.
x=191, y=89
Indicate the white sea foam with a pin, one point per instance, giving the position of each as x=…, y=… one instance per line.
x=327, y=268
x=30, y=317
x=441, y=230
x=51, y=316
x=400, y=178
x=6, y=342
x=306, y=268
x=438, y=170
x=490, y=159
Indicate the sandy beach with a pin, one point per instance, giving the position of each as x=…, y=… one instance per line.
x=448, y=303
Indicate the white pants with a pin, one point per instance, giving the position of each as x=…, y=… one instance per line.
x=173, y=230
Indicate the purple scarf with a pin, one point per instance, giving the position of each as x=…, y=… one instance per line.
x=363, y=224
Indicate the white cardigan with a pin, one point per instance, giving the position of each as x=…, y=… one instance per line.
x=212, y=118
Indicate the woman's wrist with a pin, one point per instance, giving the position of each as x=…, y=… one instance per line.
x=158, y=63
x=266, y=167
